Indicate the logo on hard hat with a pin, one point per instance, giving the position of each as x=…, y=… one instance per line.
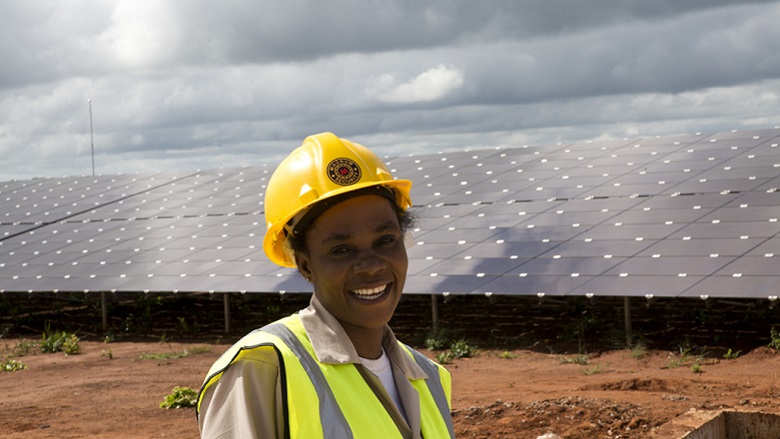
x=343, y=171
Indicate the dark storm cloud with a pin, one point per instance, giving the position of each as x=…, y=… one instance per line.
x=197, y=83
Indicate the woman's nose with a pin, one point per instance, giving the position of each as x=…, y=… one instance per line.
x=368, y=263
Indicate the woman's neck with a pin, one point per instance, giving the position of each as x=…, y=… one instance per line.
x=367, y=341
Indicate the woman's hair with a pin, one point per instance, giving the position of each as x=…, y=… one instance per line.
x=406, y=220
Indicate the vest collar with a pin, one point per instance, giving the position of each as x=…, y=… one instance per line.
x=332, y=346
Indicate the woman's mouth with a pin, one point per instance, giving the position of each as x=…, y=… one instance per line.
x=370, y=293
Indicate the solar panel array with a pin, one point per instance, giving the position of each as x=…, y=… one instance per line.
x=689, y=216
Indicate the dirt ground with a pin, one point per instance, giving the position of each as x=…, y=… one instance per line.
x=525, y=390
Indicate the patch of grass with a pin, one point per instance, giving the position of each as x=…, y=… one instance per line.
x=594, y=370
x=639, y=351
x=579, y=359
x=172, y=355
x=507, y=355
x=688, y=356
x=21, y=349
x=697, y=368
x=180, y=397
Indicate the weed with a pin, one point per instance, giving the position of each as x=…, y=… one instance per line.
x=23, y=348
x=731, y=355
x=11, y=365
x=775, y=336
x=696, y=368
x=183, y=328
x=507, y=355
x=579, y=359
x=687, y=356
x=639, y=351
x=438, y=339
x=462, y=349
x=445, y=357
x=593, y=370
x=180, y=397
x=59, y=341
x=172, y=355
x=109, y=354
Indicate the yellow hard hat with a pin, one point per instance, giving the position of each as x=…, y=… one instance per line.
x=322, y=168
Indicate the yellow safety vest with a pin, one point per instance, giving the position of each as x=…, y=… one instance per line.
x=333, y=401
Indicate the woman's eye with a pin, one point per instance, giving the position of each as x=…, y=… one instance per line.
x=387, y=240
x=340, y=250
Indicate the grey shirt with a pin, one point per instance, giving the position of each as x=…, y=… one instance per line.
x=246, y=401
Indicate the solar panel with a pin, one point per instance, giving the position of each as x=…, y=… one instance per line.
x=684, y=216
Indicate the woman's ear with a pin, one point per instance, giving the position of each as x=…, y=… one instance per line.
x=304, y=266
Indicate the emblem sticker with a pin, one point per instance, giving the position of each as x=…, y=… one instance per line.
x=343, y=171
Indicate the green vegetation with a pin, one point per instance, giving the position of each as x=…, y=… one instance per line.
x=458, y=349
x=639, y=351
x=579, y=359
x=507, y=355
x=59, y=341
x=439, y=339
x=775, y=339
x=689, y=356
x=731, y=355
x=172, y=355
x=11, y=365
x=8, y=363
x=180, y=397
x=594, y=370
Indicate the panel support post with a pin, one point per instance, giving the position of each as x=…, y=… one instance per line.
x=104, y=310
x=435, y=313
x=627, y=316
x=226, y=302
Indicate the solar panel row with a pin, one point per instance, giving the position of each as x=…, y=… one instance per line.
x=689, y=216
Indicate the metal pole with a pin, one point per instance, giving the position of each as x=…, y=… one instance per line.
x=435, y=312
x=91, y=139
x=226, y=302
x=104, y=310
x=627, y=315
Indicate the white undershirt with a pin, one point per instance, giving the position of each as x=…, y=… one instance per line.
x=382, y=369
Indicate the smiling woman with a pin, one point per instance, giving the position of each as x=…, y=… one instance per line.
x=335, y=369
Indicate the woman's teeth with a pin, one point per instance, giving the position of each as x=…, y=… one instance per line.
x=369, y=293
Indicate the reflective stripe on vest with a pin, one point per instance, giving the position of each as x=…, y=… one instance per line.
x=330, y=414
x=336, y=393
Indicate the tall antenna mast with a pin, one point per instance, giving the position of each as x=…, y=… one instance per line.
x=91, y=140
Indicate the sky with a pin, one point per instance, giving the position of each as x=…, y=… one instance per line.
x=203, y=84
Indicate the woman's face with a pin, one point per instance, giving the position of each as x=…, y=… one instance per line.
x=356, y=258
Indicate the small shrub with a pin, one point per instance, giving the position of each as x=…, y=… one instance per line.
x=438, y=339
x=462, y=349
x=731, y=355
x=180, y=397
x=445, y=357
x=60, y=341
x=696, y=368
x=775, y=336
x=507, y=355
x=11, y=365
